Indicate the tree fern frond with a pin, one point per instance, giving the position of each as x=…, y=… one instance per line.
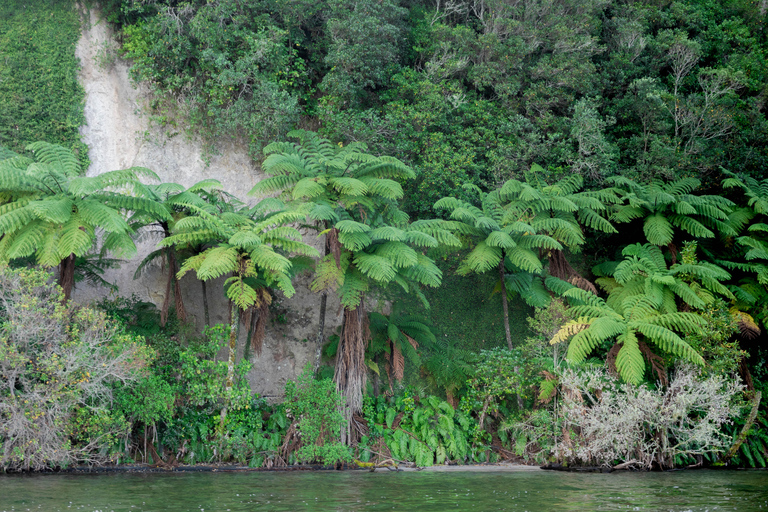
x=56, y=156
x=355, y=241
x=658, y=230
x=27, y=240
x=376, y=267
x=401, y=255
x=483, y=258
x=525, y=259
x=75, y=237
x=424, y=272
x=691, y=226
x=354, y=287
x=120, y=244
x=629, y=360
x=218, y=261
x=569, y=329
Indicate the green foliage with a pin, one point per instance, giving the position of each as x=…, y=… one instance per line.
x=58, y=367
x=401, y=338
x=204, y=377
x=753, y=452
x=665, y=207
x=52, y=213
x=498, y=374
x=424, y=430
x=628, y=322
x=316, y=406
x=40, y=96
x=716, y=343
x=244, y=243
x=225, y=67
x=684, y=285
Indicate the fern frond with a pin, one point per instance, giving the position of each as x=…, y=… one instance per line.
x=658, y=229
x=483, y=258
x=58, y=157
x=569, y=329
x=376, y=267
x=629, y=360
x=398, y=253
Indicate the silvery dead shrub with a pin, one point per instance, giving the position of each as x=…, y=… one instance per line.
x=57, y=367
x=607, y=422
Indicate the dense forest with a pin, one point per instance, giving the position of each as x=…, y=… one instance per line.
x=598, y=166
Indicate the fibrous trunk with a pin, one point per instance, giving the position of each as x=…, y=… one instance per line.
x=350, y=373
x=67, y=276
x=172, y=285
x=504, y=303
x=330, y=239
x=205, y=304
x=234, y=330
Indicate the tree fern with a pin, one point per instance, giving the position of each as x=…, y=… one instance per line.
x=55, y=213
x=628, y=321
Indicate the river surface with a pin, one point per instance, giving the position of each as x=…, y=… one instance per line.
x=357, y=490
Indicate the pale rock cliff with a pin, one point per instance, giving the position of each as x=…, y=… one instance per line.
x=120, y=135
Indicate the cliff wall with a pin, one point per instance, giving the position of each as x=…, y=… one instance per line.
x=120, y=134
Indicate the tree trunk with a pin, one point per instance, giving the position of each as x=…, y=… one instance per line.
x=205, y=304
x=67, y=276
x=320, y=332
x=350, y=373
x=172, y=284
x=745, y=430
x=321, y=329
x=504, y=302
x=234, y=331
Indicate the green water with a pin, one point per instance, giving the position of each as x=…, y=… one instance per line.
x=424, y=491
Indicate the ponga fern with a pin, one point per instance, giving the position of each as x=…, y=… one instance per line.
x=248, y=245
x=172, y=196
x=631, y=323
x=664, y=208
x=398, y=338
x=54, y=214
x=684, y=285
x=352, y=196
x=503, y=239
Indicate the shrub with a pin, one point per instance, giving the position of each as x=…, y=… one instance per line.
x=607, y=422
x=57, y=367
x=316, y=408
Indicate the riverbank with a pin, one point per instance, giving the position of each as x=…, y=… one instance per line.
x=234, y=468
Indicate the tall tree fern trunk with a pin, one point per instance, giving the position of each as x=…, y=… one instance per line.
x=67, y=276
x=350, y=372
x=320, y=331
x=323, y=306
x=205, y=304
x=504, y=302
x=234, y=331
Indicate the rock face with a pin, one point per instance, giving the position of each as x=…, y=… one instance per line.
x=120, y=135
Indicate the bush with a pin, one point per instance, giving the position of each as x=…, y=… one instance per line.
x=57, y=367
x=426, y=431
x=316, y=408
x=607, y=422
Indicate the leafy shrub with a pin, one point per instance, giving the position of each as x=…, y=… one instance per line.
x=499, y=374
x=607, y=422
x=425, y=431
x=316, y=408
x=58, y=366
